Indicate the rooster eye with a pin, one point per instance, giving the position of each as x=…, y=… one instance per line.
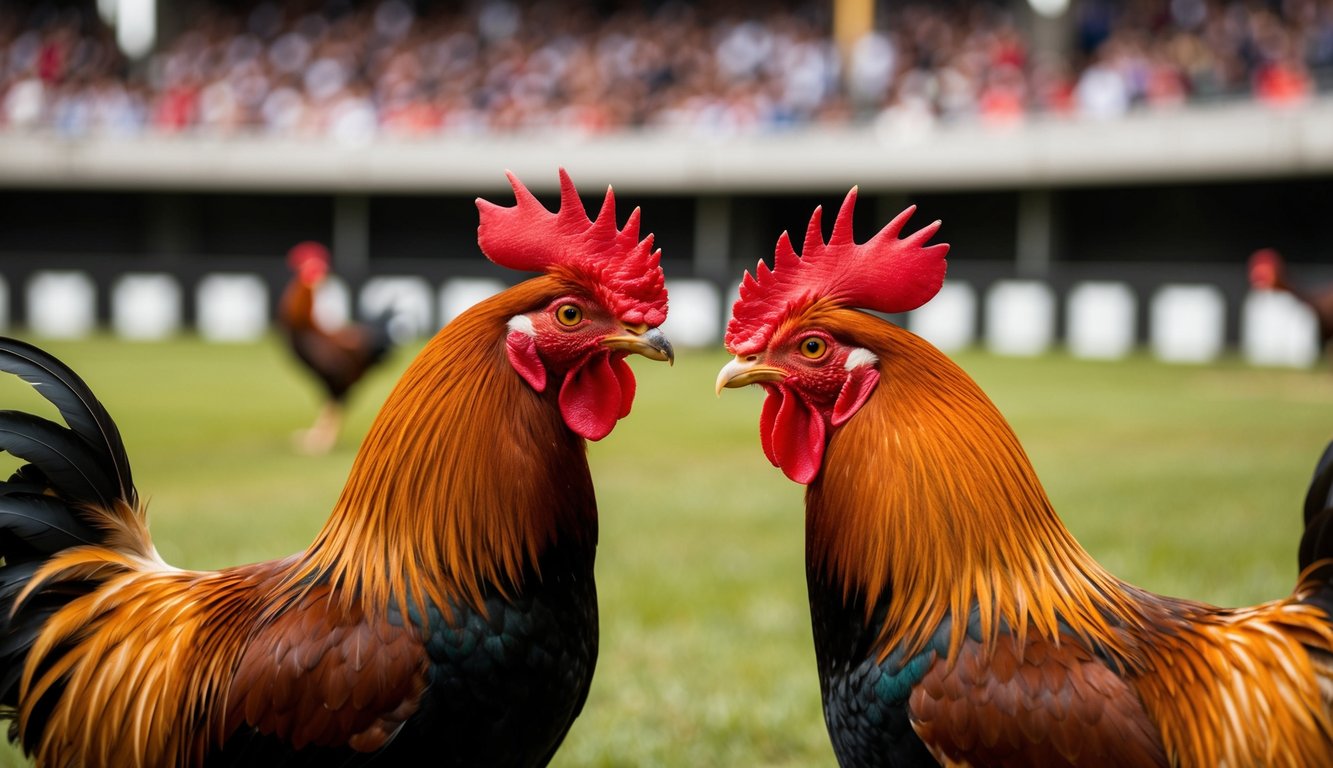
x=569, y=314
x=813, y=347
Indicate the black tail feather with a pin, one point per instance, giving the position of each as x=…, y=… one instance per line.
x=1317, y=541
x=380, y=330
x=80, y=409
x=1320, y=495
x=44, y=524
x=71, y=465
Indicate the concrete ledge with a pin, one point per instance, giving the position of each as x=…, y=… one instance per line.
x=1232, y=141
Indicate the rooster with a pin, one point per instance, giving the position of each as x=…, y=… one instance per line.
x=1268, y=272
x=447, y=608
x=337, y=358
x=956, y=620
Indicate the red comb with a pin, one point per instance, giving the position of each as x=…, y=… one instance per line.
x=1264, y=256
x=305, y=251
x=623, y=271
x=884, y=274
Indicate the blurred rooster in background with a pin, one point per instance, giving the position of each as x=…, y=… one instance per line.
x=447, y=609
x=1268, y=272
x=337, y=358
x=955, y=618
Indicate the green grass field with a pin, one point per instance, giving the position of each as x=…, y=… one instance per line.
x=1184, y=480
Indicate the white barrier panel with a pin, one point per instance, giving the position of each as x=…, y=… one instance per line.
x=333, y=303
x=461, y=293
x=949, y=320
x=1187, y=323
x=694, y=313
x=231, y=307
x=1278, y=329
x=1101, y=320
x=1020, y=317
x=409, y=298
x=61, y=305
x=146, y=306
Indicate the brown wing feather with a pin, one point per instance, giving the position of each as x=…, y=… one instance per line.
x=1042, y=705
x=326, y=675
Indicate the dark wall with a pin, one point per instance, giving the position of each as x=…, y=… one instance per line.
x=1216, y=223
x=1198, y=223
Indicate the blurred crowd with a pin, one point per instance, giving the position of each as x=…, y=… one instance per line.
x=396, y=68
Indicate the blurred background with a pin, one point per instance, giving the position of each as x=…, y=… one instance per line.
x=1104, y=169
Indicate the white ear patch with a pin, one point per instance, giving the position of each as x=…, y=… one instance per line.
x=523, y=324
x=858, y=357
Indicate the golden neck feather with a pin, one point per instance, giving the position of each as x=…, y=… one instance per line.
x=927, y=492
x=464, y=478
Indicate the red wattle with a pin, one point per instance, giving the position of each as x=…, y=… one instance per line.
x=768, y=418
x=793, y=435
x=627, y=386
x=595, y=394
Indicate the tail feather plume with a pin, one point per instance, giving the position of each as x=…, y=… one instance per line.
x=381, y=330
x=41, y=524
x=88, y=421
x=1317, y=541
x=75, y=490
x=72, y=466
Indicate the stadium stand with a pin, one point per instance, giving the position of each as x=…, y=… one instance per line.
x=357, y=71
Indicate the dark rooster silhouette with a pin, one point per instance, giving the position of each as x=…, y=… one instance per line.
x=337, y=358
x=1268, y=272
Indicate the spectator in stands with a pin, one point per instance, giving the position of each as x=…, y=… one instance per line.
x=391, y=68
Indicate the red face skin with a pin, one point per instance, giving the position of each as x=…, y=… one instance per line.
x=576, y=341
x=810, y=390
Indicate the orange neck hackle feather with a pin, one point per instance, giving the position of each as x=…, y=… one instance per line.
x=464, y=478
x=961, y=520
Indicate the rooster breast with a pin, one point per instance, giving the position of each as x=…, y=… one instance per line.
x=510, y=681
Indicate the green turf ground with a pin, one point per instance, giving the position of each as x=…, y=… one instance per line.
x=1185, y=480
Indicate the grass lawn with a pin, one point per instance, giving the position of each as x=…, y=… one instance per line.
x=1184, y=480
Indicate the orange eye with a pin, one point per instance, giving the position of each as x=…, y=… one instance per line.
x=813, y=347
x=569, y=315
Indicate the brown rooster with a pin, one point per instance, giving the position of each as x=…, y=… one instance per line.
x=956, y=620
x=446, y=612
x=1268, y=272
x=337, y=358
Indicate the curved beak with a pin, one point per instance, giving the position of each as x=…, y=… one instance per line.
x=649, y=342
x=744, y=371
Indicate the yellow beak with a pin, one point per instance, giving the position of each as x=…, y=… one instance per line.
x=650, y=342
x=744, y=371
